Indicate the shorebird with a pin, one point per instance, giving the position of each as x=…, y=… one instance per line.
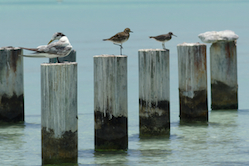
x=120, y=38
x=163, y=38
x=61, y=48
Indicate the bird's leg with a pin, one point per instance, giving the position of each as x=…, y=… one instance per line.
x=58, y=60
x=118, y=45
x=164, y=46
x=121, y=47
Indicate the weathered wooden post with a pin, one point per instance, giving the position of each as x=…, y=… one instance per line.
x=192, y=73
x=11, y=85
x=223, y=66
x=154, y=92
x=59, y=113
x=110, y=102
x=70, y=58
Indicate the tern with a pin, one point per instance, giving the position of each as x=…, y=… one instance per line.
x=58, y=49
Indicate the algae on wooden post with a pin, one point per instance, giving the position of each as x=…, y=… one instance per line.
x=59, y=119
x=192, y=76
x=11, y=85
x=154, y=92
x=110, y=102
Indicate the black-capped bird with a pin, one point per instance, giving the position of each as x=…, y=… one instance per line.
x=58, y=49
x=163, y=38
x=120, y=38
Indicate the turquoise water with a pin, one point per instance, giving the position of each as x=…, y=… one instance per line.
x=224, y=141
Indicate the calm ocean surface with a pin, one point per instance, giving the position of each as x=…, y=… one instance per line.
x=224, y=141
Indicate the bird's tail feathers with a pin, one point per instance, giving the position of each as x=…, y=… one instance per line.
x=34, y=56
x=30, y=49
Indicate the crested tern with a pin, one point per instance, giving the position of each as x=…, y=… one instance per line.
x=58, y=49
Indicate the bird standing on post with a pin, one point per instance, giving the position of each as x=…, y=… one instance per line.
x=163, y=38
x=120, y=38
x=61, y=48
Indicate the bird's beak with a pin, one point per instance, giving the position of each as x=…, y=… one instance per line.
x=50, y=41
x=175, y=35
x=131, y=31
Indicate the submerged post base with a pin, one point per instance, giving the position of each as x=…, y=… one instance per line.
x=223, y=96
x=110, y=132
x=193, y=108
x=59, y=150
x=157, y=121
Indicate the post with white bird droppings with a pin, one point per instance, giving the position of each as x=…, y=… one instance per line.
x=70, y=58
x=223, y=66
x=154, y=92
x=59, y=113
x=11, y=85
x=192, y=73
x=110, y=102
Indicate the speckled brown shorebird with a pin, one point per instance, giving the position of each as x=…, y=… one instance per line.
x=120, y=38
x=163, y=38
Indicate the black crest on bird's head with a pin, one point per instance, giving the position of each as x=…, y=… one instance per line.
x=59, y=34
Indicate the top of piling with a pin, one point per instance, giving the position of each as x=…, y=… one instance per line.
x=148, y=50
x=191, y=44
x=59, y=64
x=108, y=56
x=9, y=48
x=213, y=36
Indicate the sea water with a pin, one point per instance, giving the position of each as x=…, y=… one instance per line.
x=223, y=141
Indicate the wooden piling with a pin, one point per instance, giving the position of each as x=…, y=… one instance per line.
x=110, y=102
x=11, y=85
x=192, y=73
x=223, y=66
x=59, y=113
x=154, y=92
x=70, y=58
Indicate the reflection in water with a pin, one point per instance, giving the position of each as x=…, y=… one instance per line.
x=223, y=129
x=223, y=136
x=223, y=116
x=111, y=157
x=154, y=149
x=206, y=141
x=62, y=164
x=11, y=141
x=194, y=140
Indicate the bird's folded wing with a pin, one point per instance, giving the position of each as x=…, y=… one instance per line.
x=119, y=37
